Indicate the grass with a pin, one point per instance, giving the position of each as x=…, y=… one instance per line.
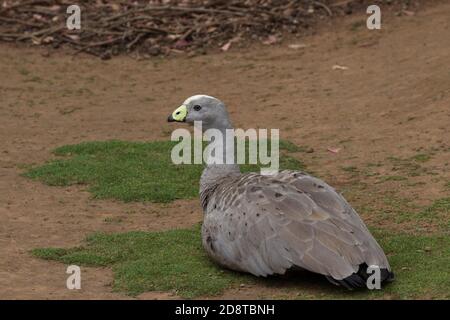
x=175, y=261
x=145, y=261
x=291, y=147
x=393, y=178
x=438, y=212
x=401, y=168
x=351, y=169
x=436, y=216
x=357, y=25
x=420, y=264
x=412, y=166
x=132, y=171
x=422, y=157
x=398, y=213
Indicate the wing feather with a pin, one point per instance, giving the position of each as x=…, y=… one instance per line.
x=266, y=225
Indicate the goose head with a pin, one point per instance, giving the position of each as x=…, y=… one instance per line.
x=210, y=111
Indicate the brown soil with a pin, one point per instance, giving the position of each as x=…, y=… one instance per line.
x=393, y=100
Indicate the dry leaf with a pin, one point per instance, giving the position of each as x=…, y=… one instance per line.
x=226, y=46
x=54, y=8
x=38, y=17
x=333, y=150
x=74, y=37
x=270, y=40
x=48, y=39
x=181, y=44
x=338, y=67
x=115, y=7
x=409, y=13
x=36, y=41
x=297, y=46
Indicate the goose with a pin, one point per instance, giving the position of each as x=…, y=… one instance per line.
x=268, y=224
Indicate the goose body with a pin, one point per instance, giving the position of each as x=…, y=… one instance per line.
x=267, y=225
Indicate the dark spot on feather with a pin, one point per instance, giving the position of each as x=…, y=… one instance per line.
x=209, y=241
x=257, y=214
x=243, y=213
x=320, y=186
x=277, y=195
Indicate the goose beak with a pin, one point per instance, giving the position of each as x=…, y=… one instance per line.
x=179, y=115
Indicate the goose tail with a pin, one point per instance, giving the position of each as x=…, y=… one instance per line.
x=359, y=279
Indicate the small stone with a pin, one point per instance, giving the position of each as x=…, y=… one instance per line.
x=289, y=12
x=201, y=51
x=154, y=50
x=105, y=56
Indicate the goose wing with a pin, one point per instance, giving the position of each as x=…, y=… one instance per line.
x=268, y=224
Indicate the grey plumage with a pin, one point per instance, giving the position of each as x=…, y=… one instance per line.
x=268, y=224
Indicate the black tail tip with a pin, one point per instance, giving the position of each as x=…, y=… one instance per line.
x=359, y=279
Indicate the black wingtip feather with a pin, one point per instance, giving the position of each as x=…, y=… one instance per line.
x=359, y=279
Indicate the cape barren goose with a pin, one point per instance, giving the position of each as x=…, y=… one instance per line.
x=267, y=224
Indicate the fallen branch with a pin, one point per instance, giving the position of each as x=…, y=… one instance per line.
x=118, y=26
x=327, y=9
x=97, y=44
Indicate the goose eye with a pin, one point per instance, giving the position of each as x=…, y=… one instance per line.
x=197, y=108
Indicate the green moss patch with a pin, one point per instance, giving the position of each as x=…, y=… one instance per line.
x=133, y=171
x=175, y=261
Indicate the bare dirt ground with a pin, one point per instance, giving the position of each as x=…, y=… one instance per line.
x=393, y=100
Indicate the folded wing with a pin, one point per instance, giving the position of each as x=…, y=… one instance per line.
x=268, y=224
